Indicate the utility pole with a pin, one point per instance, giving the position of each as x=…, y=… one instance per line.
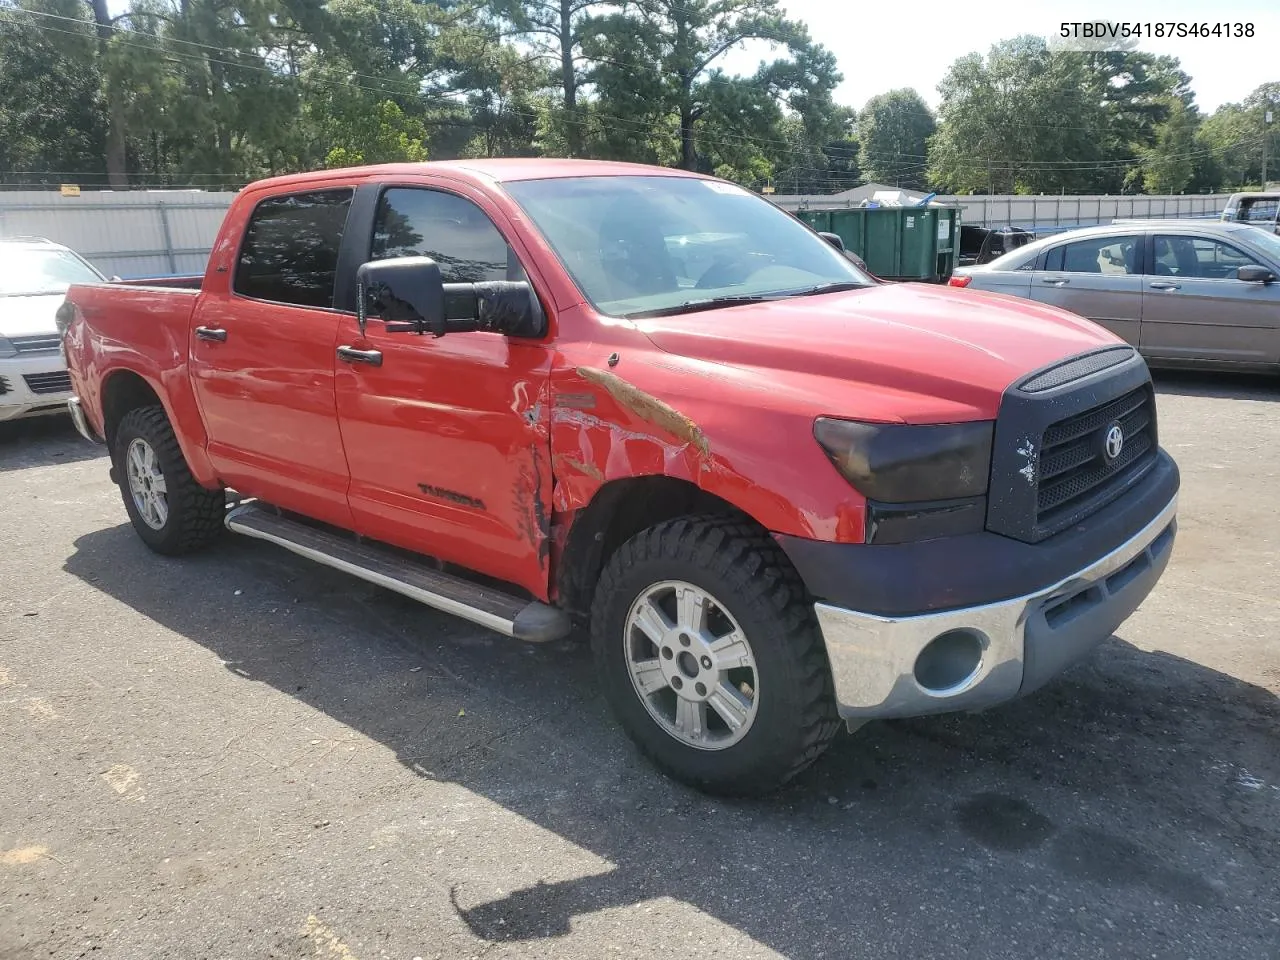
x=1266, y=136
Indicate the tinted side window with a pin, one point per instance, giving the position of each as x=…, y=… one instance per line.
x=290, y=249
x=1198, y=257
x=449, y=229
x=1111, y=256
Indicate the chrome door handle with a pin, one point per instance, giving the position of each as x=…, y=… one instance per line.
x=208, y=333
x=1165, y=285
x=352, y=355
x=1056, y=281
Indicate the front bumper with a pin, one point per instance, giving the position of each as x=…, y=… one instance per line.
x=978, y=656
x=32, y=385
x=81, y=421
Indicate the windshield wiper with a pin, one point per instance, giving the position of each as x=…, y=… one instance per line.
x=836, y=287
x=693, y=306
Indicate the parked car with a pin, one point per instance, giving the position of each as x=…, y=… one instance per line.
x=1181, y=291
x=34, y=276
x=1257, y=209
x=777, y=493
x=982, y=244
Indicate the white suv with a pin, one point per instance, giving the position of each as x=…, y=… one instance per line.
x=34, y=276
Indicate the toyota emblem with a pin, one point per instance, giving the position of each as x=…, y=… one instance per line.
x=1113, y=442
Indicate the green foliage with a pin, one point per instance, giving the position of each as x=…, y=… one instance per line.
x=893, y=135
x=218, y=92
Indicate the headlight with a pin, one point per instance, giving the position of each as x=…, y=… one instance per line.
x=902, y=463
x=7, y=349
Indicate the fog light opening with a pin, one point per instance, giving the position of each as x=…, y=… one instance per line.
x=950, y=661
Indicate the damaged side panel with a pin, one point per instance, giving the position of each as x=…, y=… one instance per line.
x=605, y=427
x=449, y=449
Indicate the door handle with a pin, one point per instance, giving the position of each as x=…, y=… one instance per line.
x=1165, y=285
x=1055, y=281
x=208, y=333
x=352, y=355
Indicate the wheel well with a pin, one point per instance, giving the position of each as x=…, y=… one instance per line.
x=123, y=391
x=619, y=510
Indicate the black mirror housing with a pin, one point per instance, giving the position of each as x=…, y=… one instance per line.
x=1255, y=274
x=409, y=295
x=401, y=290
x=833, y=238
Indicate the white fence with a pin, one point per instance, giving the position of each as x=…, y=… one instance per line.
x=149, y=233
x=1044, y=214
x=164, y=232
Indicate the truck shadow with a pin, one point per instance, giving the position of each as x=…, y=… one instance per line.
x=1224, y=386
x=43, y=441
x=1138, y=793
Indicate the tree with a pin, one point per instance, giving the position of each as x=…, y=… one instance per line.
x=1169, y=165
x=555, y=30
x=1001, y=122
x=51, y=114
x=664, y=54
x=893, y=135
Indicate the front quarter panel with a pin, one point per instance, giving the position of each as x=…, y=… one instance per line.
x=653, y=414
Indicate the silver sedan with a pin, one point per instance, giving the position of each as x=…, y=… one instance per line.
x=1183, y=292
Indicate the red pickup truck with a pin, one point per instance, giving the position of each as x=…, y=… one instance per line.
x=540, y=393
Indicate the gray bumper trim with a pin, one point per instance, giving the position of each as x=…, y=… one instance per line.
x=873, y=658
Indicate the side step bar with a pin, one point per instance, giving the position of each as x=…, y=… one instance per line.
x=502, y=612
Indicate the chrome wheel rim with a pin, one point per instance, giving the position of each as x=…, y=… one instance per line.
x=147, y=484
x=691, y=665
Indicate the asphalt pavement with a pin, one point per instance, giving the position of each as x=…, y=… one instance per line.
x=244, y=755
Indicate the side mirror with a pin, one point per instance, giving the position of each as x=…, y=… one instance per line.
x=1255, y=274
x=408, y=294
x=401, y=290
x=833, y=238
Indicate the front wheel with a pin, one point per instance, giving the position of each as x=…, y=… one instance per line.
x=710, y=656
x=171, y=512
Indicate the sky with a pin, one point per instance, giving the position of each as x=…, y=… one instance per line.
x=912, y=43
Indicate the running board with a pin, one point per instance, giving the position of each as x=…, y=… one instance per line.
x=499, y=611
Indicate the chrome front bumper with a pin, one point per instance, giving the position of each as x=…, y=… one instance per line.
x=976, y=657
x=81, y=421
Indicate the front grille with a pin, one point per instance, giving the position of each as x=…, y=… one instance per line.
x=57, y=382
x=4, y=386
x=42, y=343
x=1075, y=475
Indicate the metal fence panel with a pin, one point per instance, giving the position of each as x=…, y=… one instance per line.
x=149, y=233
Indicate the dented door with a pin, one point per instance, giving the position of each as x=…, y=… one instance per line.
x=448, y=438
x=448, y=448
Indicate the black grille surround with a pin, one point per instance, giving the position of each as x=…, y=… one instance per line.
x=1050, y=467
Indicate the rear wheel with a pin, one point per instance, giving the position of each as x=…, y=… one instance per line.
x=171, y=512
x=710, y=657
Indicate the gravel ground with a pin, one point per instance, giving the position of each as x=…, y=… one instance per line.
x=243, y=755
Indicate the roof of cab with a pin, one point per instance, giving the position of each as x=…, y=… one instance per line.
x=498, y=170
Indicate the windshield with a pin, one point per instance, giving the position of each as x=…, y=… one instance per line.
x=643, y=245
x=1267, y=242
x=32, y=271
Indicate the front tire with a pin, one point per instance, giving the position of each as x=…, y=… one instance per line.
x=171, y=512
x=707, y=647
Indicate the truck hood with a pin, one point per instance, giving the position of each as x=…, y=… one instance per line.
x=21, y=316
x=956, y=350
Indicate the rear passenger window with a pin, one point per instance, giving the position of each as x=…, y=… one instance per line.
x=290, y=249
x=1112, y=256
x=449, y=229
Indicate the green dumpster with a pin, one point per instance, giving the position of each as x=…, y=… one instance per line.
x=896, y=243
